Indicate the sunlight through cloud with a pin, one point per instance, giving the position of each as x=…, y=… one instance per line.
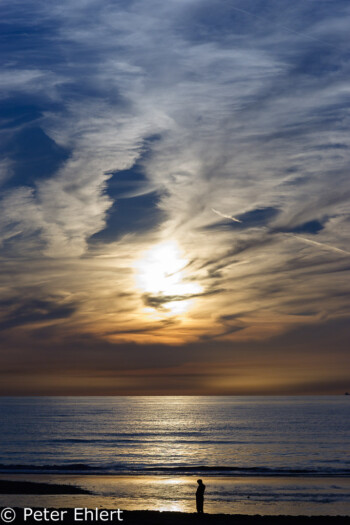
x=161, y=273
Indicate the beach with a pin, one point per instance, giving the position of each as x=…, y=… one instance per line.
x=224, y=495
x=146, y=453
x=101, y=514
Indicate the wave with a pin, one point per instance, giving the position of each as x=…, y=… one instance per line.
x=135, y=441
x=76, y=467
x=239, y=471
x=252, y=471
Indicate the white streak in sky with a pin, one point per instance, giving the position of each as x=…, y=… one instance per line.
x=205, y=104
x=225, y=216
x=320, y=244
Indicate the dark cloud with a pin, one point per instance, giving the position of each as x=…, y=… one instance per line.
x=207, y=365
x=135, y=207
x=229, y=256
x=258, y=217
x=332, y=145
x=34, y=155
x=318, y=61
x=17, y=312
x=161, y=300
x=133, y=215
x=312, y=227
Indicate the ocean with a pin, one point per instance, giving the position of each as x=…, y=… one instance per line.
x=267, y=455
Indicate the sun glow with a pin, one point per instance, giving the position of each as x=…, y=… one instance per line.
x=161, y=274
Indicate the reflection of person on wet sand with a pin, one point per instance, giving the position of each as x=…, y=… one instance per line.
x=200, y=496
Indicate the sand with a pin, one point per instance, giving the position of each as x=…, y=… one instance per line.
x=31, y=487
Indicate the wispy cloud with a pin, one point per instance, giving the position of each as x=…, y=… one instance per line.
x=219, y=107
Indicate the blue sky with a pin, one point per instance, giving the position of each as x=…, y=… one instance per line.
x=174, y=179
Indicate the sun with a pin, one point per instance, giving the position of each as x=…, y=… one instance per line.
x=161, y=273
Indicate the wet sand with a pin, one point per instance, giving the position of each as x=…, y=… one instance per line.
x=225, y=495
x=33, y=487
x=144, y=517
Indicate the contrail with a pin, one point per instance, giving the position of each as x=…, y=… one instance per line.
x=286, y=28
x=298, y=237
x=320, y=244
x=225, y=216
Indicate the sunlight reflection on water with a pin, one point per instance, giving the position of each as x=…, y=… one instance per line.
x=139, y=446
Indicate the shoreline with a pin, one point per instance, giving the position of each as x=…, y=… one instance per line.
x=38, y=488
x=101, y=514
x=69, y=493
x=154, y=494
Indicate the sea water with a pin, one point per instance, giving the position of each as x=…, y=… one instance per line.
x=255, y=454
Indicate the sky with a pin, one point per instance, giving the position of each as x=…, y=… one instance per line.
x=174, y=209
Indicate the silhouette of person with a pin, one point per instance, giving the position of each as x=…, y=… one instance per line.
x=200, y=496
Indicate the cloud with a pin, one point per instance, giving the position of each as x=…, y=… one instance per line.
x=321, y=245
x=312, y=227
x=241, y=368
x=16, y=312
x=133, y=123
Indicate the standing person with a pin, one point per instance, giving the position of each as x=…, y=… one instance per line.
x=200, y=496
